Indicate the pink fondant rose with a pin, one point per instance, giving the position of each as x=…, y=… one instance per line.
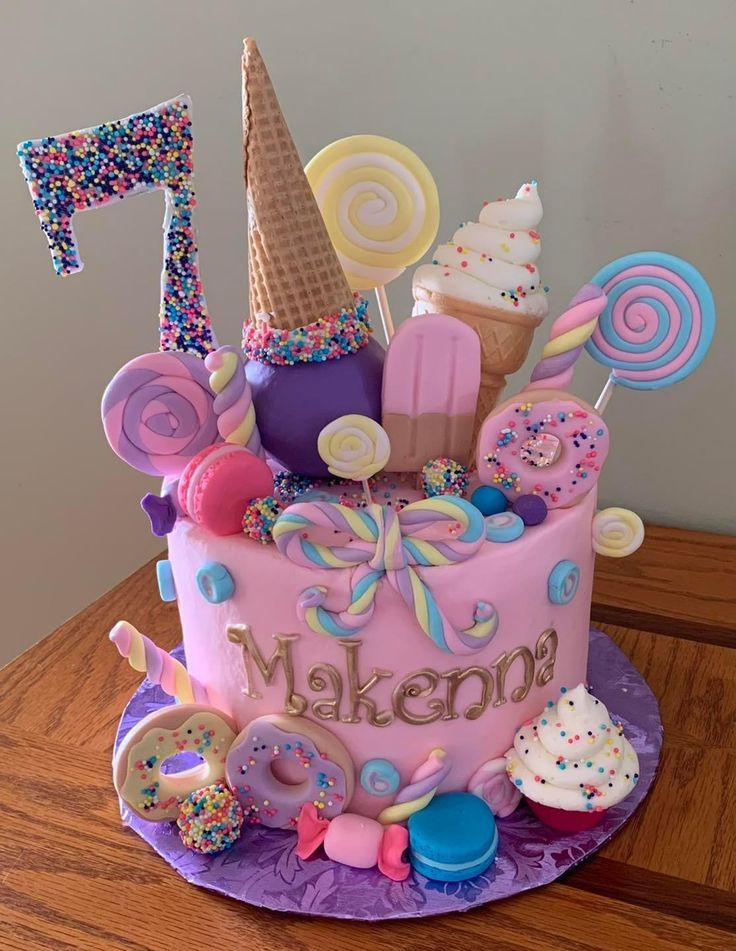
x=490, y=782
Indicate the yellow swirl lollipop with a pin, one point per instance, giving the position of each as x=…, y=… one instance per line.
x=381, y=208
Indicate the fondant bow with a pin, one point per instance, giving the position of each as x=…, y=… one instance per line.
x=382, y=543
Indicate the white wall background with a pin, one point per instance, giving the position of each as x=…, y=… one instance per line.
x=624, y=111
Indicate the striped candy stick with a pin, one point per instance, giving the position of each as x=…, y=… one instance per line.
x=236, y=415
x=567, y=337
x=158, y=665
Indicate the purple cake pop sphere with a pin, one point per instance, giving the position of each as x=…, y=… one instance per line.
x=294, y=403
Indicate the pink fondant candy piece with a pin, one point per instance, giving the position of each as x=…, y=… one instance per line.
x=218, y=484
x=432, y=370
x=292, y=742
x=158, y=412
x=491, y=783
x=354, y=840
x=583, y=443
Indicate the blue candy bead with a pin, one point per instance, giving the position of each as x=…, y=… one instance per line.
x=504, y=527
x=165, y=578
x=215, y=582
x=563, y=582
x=489, y=500
x=379, y=777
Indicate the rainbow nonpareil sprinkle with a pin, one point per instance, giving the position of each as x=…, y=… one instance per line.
x=210, y=819
x=90, y=168
x=260, y=517
x=327, y=338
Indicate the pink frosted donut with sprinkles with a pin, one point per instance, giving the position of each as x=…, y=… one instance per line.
x=543, y=442
x=278, y=763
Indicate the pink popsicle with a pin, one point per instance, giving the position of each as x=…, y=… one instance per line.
x=431, y=380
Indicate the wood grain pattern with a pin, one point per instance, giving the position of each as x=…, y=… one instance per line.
x=73, y=877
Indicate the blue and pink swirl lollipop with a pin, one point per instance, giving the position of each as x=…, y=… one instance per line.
x=657, y=325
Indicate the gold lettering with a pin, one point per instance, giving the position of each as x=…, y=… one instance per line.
x=317, y=678
x=241, y=634
x=359, y=691
x=410, y=688
x=456, y=677
x=502, y=665
x=546, y=648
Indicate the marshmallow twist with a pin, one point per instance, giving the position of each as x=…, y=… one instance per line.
x=424, y=783
x=567, y=337
x=158, y=665
x=236, y=415
x=379, y=543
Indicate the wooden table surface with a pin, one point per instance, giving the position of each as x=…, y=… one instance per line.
x=72, y=876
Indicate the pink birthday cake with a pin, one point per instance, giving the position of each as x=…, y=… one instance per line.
x=382, y=566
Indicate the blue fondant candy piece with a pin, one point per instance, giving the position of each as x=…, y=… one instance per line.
x=215, y=582
x=489, y=500
x=165, y=578
x=379, y=777
x=563, y=582
x=455, y=838
x=504, y=527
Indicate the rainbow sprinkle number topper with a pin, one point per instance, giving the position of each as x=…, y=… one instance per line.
x=93, y=167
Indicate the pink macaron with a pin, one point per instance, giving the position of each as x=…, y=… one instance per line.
x=219, y=482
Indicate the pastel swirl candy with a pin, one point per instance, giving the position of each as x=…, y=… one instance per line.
x=375, y=543
x=379, y=203
x=424, y=783
x=617, y=532
x=658, y=323
x=567, y=337
x=354, y=447
x=236, y=415
x=158, y=412
x=490, y=782
x=158, y=665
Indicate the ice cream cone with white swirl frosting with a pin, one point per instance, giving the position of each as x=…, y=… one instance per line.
x=487, y=277
x=572, y=762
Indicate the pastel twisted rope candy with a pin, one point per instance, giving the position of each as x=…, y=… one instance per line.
x=157, y=664
x=236, y=415
x=382, y=543
x=424, y=783
x=567, y=337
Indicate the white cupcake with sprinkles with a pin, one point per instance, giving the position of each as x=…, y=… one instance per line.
x=572, y=762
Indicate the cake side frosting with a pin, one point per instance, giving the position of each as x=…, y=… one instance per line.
x=420, y=697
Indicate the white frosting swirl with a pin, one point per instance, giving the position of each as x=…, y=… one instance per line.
x=491, y=262
x=573, y=756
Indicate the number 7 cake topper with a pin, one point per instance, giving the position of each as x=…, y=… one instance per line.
x=93, y=167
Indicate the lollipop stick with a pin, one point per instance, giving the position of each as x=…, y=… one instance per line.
x=367, y=491
x=606, y=394
x=383, y=310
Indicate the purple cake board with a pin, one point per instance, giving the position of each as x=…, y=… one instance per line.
x=262, y=869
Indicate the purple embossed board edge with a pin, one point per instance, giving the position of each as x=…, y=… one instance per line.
x=262, y=869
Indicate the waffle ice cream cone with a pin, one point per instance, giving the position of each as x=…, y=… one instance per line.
x=295, y=275
x=487, y=277
x=505, y=338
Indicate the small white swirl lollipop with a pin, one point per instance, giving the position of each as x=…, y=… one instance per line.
x=381, y=209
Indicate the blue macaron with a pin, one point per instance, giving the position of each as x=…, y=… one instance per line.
x=454, y=838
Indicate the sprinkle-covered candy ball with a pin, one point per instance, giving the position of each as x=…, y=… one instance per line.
x=489, y=499
x=210, y=819
x=260, y=517
x=443, y=476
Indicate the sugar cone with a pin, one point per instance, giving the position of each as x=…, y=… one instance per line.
x=295, y=275
x=505, y=338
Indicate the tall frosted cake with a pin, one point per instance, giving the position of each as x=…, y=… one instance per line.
x=383, y=568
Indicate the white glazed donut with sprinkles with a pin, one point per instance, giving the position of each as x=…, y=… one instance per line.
x=266, y=763
x=543, y=442
x=138, y=773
